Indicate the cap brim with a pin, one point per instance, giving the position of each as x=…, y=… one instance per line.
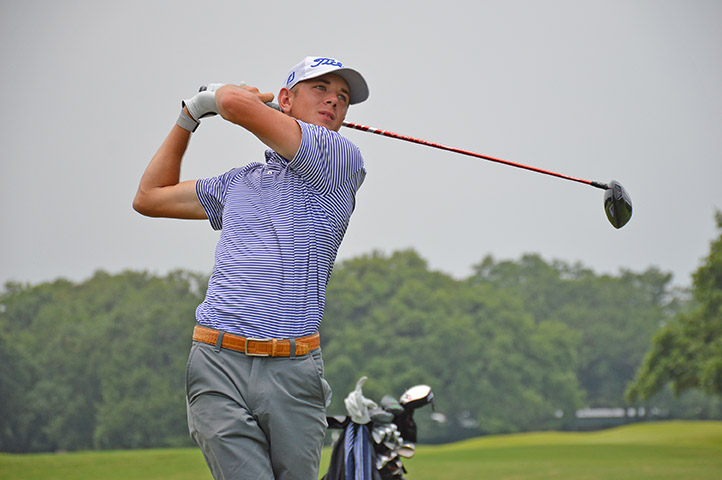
x=356, y=82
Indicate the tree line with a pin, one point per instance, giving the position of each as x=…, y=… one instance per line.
x=517, y=346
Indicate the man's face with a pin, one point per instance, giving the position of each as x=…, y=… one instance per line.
x=321, y=101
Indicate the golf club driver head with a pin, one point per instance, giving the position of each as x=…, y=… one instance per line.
x=416, y=397
x=617, y=204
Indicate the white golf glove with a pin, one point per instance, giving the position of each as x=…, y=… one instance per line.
x=201, y=105
x=357, y=405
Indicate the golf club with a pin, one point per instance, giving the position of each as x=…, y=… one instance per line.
x=617, y=202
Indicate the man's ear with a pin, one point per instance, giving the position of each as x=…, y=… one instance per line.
x=285, y=100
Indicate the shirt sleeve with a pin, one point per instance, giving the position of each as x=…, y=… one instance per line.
x=326, y=159
x=212, y=195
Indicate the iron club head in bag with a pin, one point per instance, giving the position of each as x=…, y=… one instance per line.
x=407, y=450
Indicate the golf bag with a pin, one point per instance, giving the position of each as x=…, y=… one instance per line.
x=375, y=437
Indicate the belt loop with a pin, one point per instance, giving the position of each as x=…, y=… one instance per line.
x=219, y=342
x=293, y=348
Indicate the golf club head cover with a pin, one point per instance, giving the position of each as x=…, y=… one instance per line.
x=380, y=416
x=390, y=404
x=357, y=405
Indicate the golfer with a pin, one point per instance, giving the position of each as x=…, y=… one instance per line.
x=255, y=389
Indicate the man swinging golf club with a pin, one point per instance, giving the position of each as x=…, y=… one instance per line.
x=255, y=389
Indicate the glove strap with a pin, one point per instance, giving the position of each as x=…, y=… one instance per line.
x=187, y=122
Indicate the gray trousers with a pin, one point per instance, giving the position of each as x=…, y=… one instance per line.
x=258, y=418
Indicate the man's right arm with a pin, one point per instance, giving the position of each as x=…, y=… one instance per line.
x=161, y=193
x=245, y=106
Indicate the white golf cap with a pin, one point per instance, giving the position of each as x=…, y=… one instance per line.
x=312, y=67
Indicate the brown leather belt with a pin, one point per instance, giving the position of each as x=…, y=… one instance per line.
x=257, y=347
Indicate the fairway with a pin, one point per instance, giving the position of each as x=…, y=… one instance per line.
x=665, y=450
x=673, y=450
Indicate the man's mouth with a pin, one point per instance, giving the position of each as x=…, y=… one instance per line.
x=329, y=115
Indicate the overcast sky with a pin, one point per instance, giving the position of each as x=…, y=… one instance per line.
x=626, y=90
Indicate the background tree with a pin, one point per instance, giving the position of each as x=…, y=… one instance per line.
x=494, y=369
x=614, y=317
x=99, y=364
x=687, y=352
x=517, y=346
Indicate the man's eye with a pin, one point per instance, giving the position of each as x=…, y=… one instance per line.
x=321, y=87
x=343, y=98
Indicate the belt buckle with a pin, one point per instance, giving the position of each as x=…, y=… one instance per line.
x=258, y=340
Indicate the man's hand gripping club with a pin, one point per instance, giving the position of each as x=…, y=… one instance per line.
x=201, y=105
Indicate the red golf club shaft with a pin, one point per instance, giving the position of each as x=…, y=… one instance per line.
x=440, y=146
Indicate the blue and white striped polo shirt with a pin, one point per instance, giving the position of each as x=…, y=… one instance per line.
x=281, y=225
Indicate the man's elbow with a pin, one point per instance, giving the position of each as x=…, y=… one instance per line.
x=142, y=205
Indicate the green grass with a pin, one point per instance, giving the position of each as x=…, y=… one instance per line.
x=170, y=464
x=666, y=450
x=669, y=450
